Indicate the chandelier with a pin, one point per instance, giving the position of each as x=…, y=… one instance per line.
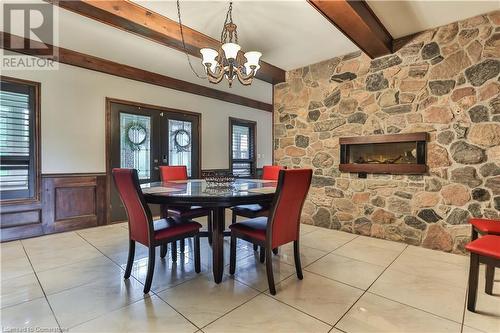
x=228, y=61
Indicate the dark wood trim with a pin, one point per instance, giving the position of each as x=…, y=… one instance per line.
x=399, y=43
x=108, y=134
x=357, y=21
x=272, y=129
x=143, y=22
x=253, y=126
x=73, y=201
x=387, y=138
x=36, y=139
x=384, y=168
x=76, y=174
x=74, y=58
x=48, y=216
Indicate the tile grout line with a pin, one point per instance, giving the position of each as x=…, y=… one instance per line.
x=41, y=287
x=226, y=313
x=297, y=309
x=151, y=291
x=408, y=305
x=264, y=292
x=147, y=295
x=364, y=293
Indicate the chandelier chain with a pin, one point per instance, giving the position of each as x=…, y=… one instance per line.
x=184, y=44
x=229, y=21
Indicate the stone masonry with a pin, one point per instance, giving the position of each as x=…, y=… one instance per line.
x=445, y=82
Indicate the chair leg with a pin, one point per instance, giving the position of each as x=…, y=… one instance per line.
x=233, y=218
x=474, y=234
x=262, y=254
x=296, y=257
x=163, y=251
x=255, y=247
x=473, y=281
x=232, y=255
x=130, y=260
x=182, y=244
x=197, y=265
x=151, y=268
x=275, y=251
x=173, y=249
x=269, y=271
x=490, y=276
x=209, y=226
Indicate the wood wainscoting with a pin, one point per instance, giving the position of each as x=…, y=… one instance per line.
x=68, y=202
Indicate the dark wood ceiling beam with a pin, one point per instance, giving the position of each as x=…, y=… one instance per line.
x=358, y=22
x=138, y=20
x=74, y=58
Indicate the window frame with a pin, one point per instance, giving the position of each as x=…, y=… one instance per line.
x=35, y=144
x=252, y=125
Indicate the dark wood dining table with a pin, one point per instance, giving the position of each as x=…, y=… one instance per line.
x=194, y=192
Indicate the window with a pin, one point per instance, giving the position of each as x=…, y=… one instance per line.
x=19, y=133
x=242, y=147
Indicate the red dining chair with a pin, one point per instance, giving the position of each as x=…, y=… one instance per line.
x=144, y=230
x=179, y=172
x=269, y=172
x=481, y=227
x=484, y=250
x=484, y=227
x=282, y=224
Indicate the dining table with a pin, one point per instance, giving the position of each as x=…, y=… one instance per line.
x=197, y=192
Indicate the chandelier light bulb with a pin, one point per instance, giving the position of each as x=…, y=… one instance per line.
x=231, y=50
x=248, y=69
x=253, y=58
x=208, y=55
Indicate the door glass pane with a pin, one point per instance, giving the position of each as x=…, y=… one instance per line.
x=180, y=143
x=241, y=142
x=135, y=143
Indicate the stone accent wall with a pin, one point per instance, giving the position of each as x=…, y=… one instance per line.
x=444, y=81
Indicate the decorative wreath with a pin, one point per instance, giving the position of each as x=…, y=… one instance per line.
x=135, y=135
x=182, y=140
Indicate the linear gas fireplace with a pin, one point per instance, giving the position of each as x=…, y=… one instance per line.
x=394, y=154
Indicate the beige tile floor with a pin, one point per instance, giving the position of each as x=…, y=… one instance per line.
x=74, y=281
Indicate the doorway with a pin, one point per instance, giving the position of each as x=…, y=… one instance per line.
x=145, y=137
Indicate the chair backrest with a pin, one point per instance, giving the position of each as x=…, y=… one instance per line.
x=284, y=217
x=173, y=172
x=138, y=213
x=271, y=172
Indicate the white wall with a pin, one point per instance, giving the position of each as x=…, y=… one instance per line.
x=73, y=118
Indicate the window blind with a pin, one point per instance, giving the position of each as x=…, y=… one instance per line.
x=16, y=137
x=242, y=150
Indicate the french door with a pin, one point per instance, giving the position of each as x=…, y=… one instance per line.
x=144, y=138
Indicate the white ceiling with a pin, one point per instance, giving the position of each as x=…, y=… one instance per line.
x=402, y=18
x=290, y=34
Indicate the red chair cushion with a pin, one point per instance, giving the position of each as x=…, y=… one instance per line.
x=168, y=228
x=486, y=226
x=253, y=228
x=250, y=211
x=488, y=246
x=271, y=172
x=188, y=212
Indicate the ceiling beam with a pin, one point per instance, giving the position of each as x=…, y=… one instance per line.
x=138, y=20
x=74, y=58
x=358, y=22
